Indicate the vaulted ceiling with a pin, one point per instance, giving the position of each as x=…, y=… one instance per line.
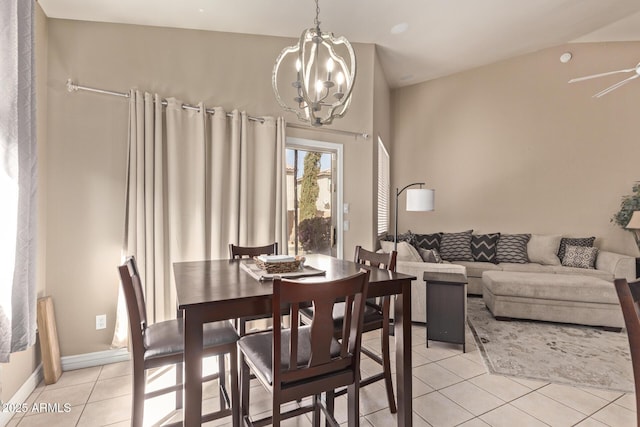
x=440, y=37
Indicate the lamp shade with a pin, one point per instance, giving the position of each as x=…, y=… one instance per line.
x=422, y=199
x=634, y=222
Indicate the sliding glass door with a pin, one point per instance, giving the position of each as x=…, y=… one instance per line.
x=312, y=198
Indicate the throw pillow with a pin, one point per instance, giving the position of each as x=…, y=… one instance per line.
x=513, y=248
x=406, y=252
x=483, y=247
x=456, y=246
x=430, y=255
x=586, y=242
x=427, y=241
x=543, y=249
x=580, y=256
x=402, y=237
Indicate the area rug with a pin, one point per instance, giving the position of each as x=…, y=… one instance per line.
x=553, y=352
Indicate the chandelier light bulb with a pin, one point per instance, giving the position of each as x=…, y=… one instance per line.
x=298, y=64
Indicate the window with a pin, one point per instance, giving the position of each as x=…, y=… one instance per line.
x=383, y=188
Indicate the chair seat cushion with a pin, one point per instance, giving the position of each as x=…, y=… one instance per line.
x=166, y=338
x=258, y=350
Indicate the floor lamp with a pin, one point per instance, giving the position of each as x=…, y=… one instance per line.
x=418, y=200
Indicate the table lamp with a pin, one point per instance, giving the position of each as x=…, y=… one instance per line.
x=634, y=224
x=418, y=200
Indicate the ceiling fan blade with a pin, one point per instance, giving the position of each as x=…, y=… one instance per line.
x=593, y=76
x=615, y=86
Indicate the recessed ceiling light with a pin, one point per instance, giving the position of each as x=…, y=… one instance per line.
x=201, y=10
x=565, y=57
x=399, y=28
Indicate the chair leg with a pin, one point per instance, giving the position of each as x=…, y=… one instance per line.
x=275, y=417
x=316, y=410
x=179, y=380
x=244, y=387
x=222, y=379
x=386, y=362
x=330, y=403
x=353, y=404
x=235, y=394
x=137, y=404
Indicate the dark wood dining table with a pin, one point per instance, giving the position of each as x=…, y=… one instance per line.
x=214, y=290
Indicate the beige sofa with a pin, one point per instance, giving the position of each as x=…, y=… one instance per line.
x=608, y=266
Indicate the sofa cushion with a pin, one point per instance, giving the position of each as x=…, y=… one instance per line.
x=483, y=247
x=456, y=246
x=543, y=249
x=581, y=257
x=406, y=251
x=513, y=248
x=427, y=241
x=574, y=241
x=530, y=267
x=550, y=286
x=600, y=274
x=475, y=269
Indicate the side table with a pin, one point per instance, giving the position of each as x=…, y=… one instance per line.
x=446, y=307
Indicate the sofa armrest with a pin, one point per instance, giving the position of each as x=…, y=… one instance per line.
x=417, y=269
x=621, y=266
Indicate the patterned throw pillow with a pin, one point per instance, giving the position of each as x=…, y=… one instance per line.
x=427, y=241
x=430, y=255
x=585, y=242
x=513, y=248
x=483, y=247
x=456, y=246
x=580, y=256
x=402, y=237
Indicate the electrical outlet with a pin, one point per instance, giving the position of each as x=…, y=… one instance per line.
x=101, y=321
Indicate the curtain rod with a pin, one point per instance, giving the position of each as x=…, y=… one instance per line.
x=72, y=87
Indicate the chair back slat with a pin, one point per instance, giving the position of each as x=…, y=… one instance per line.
x=323, y=296
x=236, y=252
x=629, y=297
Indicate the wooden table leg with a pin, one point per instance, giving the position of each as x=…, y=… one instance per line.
x=193, y=352
x=402, y=315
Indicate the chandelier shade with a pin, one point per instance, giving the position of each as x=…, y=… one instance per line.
x=314, y=79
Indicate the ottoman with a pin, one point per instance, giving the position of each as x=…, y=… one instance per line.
x=552, y=297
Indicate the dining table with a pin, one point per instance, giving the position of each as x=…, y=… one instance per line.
x=215, y=290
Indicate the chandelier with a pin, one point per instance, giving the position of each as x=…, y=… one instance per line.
x=321, y=79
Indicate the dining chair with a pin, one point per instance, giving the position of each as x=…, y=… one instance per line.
x=307, y=360
x=629, y=297
x=239, y=252
x=376, y=317
x=236, y=252
x=162, y=344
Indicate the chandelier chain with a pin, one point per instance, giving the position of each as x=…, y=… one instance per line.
x=316, y=21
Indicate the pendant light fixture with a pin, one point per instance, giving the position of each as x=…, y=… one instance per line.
x=314, y=78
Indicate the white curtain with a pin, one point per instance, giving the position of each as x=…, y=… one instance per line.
x=197, y=182
x=17, y=178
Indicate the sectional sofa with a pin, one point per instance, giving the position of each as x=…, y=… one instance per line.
x=529, y=276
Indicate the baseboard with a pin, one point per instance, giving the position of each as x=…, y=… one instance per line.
x=98, y=358
x=22, y=394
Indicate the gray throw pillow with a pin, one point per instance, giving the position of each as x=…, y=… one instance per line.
x=580, y=256
x=430, y=255
x=427, y=241
x=456, y=246
x=586, y=242
x=513, y=248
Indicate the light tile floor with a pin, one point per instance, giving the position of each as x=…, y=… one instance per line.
x=449, y=389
